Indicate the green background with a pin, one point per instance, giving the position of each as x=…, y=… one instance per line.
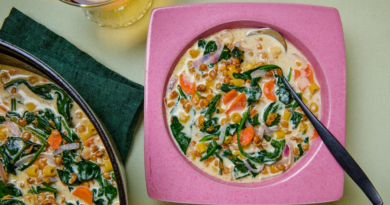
x=366, y=27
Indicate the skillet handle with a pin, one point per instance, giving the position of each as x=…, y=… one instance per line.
x=339, y=152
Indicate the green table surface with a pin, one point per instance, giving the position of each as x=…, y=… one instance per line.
x=366, y=31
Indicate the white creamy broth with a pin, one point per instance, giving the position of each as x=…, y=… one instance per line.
x=35, y=124
x=228, y=82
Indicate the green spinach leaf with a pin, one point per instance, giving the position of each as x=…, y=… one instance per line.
x=210, y=47
x=180, y=137
x=12, y=201
x=64, y=102
x=296, y=119
x=231, y=129
x=271, y=108
x=237, y=52
x=247, y=74
x=211, y=150
x=9, y=189
x=202, y=43
x=38, y=189
x=225, y=55
x=254, y=121
x=2, y=120
x=212, y=106
x=213, y=122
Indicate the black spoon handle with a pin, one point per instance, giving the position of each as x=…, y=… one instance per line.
x=340, y=153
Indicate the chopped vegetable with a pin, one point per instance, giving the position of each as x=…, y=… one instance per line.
x=84, y=194
x=246, y=136
x=296, y=119
x=228, y=97
x=187, y=85
x=180, y=137
x=269, y=90
x=55, y=139
x=238, y=104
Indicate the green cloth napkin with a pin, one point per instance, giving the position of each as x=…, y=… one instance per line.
x=116, y=100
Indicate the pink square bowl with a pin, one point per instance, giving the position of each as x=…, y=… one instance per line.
x=315, y=30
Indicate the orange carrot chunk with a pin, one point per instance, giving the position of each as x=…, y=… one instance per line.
x=231, y=95
x=55, y=139
x=84, y=194
x=269, y=90
x=88, y=142
x=309, y=73
x=246, y=136
x=238, y=104
x=187, y=85
x=315, y=134
x=297, y=73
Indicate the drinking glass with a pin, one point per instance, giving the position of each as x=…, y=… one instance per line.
x=112, y=13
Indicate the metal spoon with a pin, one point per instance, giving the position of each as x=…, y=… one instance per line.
x=338, y=151
x=269, y=32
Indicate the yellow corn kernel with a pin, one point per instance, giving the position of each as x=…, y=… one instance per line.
x=91, y=128
x=237, y=82
x=279, y=134
x=107, y=166
x=298, y=63
x=238, y=154
x=30, y=106
x=248, y=66
x=286, y=115
x=32, y=171
x=304, y=100
x=192, y=155
x=236, y=117
x=215, y=169
x=273, y=169
x=194, y=53
x=231, y=71
x=49, y=171
x=228, y=139
x=313, y=107
x=314, y=88
x=210, y=84
x=201, y=147
x=221, y=110
x=305, y=126
x=183, y=118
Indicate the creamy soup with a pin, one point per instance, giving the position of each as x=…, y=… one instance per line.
x=228, y=87
x=50, y=151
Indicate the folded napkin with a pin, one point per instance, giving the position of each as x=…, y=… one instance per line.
x=116, y=100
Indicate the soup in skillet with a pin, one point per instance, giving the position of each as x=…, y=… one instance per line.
x=230, y=113
x=50, y=151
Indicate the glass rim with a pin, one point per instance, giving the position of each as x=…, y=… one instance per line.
x=88, y=5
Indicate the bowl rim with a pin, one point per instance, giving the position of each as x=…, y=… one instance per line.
x=24, y=56
x=167, y=37
x=89, y=5
x=320, y=76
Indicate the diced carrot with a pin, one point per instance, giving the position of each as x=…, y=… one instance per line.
x=309, y=73
x=187, y=85
x=269, y=90
x=84, y=194
x=231, y=95
x=315, y=134
x=88, y=142
x=297, y=73
x=246, y=136
x=55, y=139
x=238, y=104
